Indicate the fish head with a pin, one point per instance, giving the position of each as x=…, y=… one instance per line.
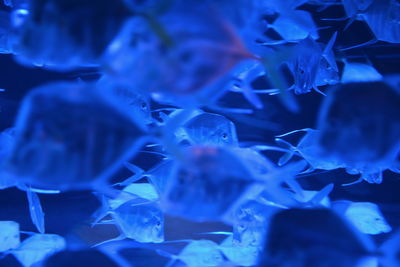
x=151, y=226
x=211, y=129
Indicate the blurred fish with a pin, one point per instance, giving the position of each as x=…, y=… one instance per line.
x=381, y=16
x=365, y=216
x=53, y=150
x=62, y=35
x=359, y=72
x=358, y=128
x=239, y=254
x=198, y=253
x=9, y=235
x=300, y=237
x=37, y=247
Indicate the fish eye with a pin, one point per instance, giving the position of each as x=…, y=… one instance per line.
x=224, y=135
x=158, y=223
x=143, y=105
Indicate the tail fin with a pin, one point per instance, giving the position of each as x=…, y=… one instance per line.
x=36, y=211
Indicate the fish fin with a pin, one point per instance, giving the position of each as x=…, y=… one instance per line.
x=295, y=131
x=318, y=91
x=138, y=174
x=330, y=44
x=373, y=41
x=27, y=233
x=335, y=19
x=269, y=148
x=118, y=238
x=349, y=23
x=285, y=158
x=45, y=191
x=101, y=212
x=295, y=186
x=289, y=154
x=308, y=171
x=167, y=255
x=323, y=193
x=359, y=180
x=216, y=233
x=106, y=222
x=231, y=110
x=328, y=54
x=267, y=91
x=253, y=99
x=36, y=211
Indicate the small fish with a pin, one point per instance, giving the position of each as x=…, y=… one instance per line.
x=198, y=253
x=208, y=129
x=37, y=247
x=359, y=72
x=313, y=66
x=239, y=254
x=250, y=223
x=365, y=216
x=9, y=235
x=295, y=25
x=138, y=219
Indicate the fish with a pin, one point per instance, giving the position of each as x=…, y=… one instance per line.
x=313, y=66
x=359, y=72
x=137, y=218
x=382, y=17
x=295, y=25
x=141, y=220
x=345, y=115
x=49, y=35
x=9, y=235
x=239, y=254
x=37, y=247
x=365, y=216
x=54, y=151
x=184, y=58
x=250, y=223
x=330, y=240
x=197, y=253
x=205, y=184
x=208, y=129
x=118, y=94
